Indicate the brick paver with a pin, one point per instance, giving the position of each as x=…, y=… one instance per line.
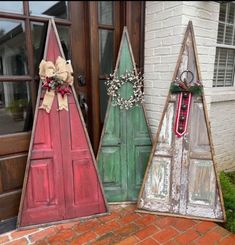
x=125, y=227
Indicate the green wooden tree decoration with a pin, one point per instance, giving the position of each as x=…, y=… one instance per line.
x=125, y=141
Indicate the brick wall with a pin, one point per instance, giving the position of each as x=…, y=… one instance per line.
x=165, y=26
x=223, y=128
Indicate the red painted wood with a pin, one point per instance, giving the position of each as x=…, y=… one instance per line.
x=62, y=181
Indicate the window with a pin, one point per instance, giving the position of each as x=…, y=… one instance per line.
x=23, y=27
x=106, y=47
x=225, y=51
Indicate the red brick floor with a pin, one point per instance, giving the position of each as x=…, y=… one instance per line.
x=125, y=227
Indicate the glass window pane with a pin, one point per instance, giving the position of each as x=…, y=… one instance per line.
x=105, y=12
x=39, y=31
x=231, y=14
x=13, y=55
x=63, y=32
x=103, y=100
x=224, y=68
x=229, y=35
x=7, y=6
x=220, y=37
x=15, y=107
x=106, y=51
x=58, y=9
x=222, y=13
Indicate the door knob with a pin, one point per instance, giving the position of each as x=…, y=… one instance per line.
x=81, y=80
x=84, y=107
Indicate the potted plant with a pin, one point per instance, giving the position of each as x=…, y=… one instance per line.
x=17, y=108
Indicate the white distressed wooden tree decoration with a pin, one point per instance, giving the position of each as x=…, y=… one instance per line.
x=181, y=177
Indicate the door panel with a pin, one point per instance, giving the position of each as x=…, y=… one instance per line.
x=138, y=149
x=81, y=188
x=157, y=191
x=9, y=146
x=65, y=168
x=129, y=163
x=164, y=145
x=42, y=170
x=112, y=131
x=9, y=204
x=47, y=199
x=181, y=177
x=43, y=137
x=203, y=191
x=110, y=162
x=141, y=157
x=111, y=170
x=200, y=142
x=83, y=36
x=12, y=172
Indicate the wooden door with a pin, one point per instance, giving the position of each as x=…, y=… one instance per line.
x=125, y=142
x=82, y=189
x=138, y=150
x=60, y=159
x=82, y=27
x=181, y=177
x=107, y=19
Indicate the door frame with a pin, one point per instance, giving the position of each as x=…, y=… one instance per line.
x=127, y=13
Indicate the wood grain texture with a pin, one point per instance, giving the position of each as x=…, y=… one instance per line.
x=8, y=145
x=12, y=171
x=125, y=141
x=181, y=178
x=9, y=204
x=61, y=180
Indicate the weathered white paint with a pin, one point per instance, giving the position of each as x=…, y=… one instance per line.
x=181, y=178
x=164, y=145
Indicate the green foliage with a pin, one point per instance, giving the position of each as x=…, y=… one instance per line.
x=17, y=105
x=196, y=90
x=228, y=189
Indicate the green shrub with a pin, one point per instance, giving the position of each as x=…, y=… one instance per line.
x=228, y=189
x=17, y=105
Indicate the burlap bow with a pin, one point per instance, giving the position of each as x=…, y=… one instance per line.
x=62, y=70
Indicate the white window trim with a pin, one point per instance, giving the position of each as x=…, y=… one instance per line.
x=219, y=94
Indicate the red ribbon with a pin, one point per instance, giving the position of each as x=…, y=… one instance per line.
x=182, y=114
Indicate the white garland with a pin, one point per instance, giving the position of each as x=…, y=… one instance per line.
x=114, y=83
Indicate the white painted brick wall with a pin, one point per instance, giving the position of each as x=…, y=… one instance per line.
x=223, y=126
x=166, y=22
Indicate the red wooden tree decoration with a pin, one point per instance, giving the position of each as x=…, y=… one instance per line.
x=61, y=180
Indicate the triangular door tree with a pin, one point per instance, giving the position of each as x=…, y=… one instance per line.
x=125, y=141
x=181, y=177
x=61, y=180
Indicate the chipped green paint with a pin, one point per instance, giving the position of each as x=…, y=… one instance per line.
x=125, y=142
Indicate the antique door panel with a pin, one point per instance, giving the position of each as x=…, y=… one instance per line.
x=181, y=174
x=139, y=147
x=125, y=142
x=201, y=189
x=60, y=159
x=11, y=177
x=111, y=162
x=44, y=198
x=136, y=137
x=157, y=194
x=82, y=189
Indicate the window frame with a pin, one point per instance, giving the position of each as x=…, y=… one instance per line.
x=31, y=77
x=228, y=47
